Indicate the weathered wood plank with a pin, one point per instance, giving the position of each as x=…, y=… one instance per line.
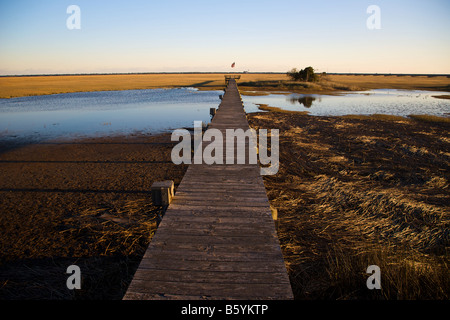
x=235, y=290
x=212, y=277
x=241, y=213
x=211, y=207
x=223, y=190
x=167, y=263
x=216, y=231
x=183, y=218
x=222, y=204
x=241, y=290
x=214, y=240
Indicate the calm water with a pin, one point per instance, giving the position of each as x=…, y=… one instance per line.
x=102, y=113
x=381, y=101
x=158, y=110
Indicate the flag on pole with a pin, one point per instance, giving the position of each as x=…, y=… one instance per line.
x=233, y=64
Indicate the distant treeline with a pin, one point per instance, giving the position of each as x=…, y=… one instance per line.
x=394, y=74
x=129, y=73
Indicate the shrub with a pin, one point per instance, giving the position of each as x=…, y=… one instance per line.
x=306, y=74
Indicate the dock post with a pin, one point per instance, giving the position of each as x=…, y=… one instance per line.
x=162, y=192
x=274, y=212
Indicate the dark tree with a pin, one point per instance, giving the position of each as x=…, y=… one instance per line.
x=306, y=74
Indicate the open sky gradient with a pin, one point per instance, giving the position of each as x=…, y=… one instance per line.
x=208, y=35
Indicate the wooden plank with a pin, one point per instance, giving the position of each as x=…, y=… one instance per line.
x=220, y=198
x=234, y=291
x=251, y=257
x=172, y=218
x=212, y=277
x=222, y=204
x=168, y=263
x=195, y=190
x=214, y=240
x=241, y=213
x=227, y=228
x=220, y=232
x=211, y=207
x=187, y=218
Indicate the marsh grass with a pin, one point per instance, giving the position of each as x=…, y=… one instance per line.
x=108, y=243
x=266, y=107
x=333, y=84
x=349, y=228
x=385, y=117
x=429, y=118
x=123, y=227
x=358, y=191
x=297, y=86
x=39, y=85
x=403, y=276
x=444, y=96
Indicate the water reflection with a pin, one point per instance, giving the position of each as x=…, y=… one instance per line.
x=158, y=110
x=305, y=100
x=103, y=113
x=379, y=101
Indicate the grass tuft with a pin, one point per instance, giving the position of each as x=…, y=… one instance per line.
x=429, y=118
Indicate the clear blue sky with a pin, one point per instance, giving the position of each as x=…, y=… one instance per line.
x=154, y=36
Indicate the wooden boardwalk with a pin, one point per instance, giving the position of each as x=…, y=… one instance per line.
x=217, y=239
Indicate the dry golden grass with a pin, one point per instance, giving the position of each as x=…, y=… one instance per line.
x=385, y=117
x=358, y=191
x=393, y=82
x=429, y=118
x=39, y=85
x=444, y=96
x=266, y=107
x=333, y=84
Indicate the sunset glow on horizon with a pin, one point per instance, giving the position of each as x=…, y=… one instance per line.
x=207, y=36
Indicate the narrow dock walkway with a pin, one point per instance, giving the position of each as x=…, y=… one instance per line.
x=217, y=239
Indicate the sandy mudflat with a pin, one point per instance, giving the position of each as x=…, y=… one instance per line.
x=84, y=202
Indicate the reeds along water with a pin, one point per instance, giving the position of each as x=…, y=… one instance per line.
x=390, y=215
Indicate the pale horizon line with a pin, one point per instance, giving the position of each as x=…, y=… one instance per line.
x=215, y=72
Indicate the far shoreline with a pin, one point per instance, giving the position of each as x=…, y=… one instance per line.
x=35, y=85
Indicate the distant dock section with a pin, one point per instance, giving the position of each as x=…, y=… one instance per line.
x=229, y=77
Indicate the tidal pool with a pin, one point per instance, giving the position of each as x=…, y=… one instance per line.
x=379, y=101
x=103, y=113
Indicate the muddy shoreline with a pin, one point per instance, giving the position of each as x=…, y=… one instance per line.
x=85, y=202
